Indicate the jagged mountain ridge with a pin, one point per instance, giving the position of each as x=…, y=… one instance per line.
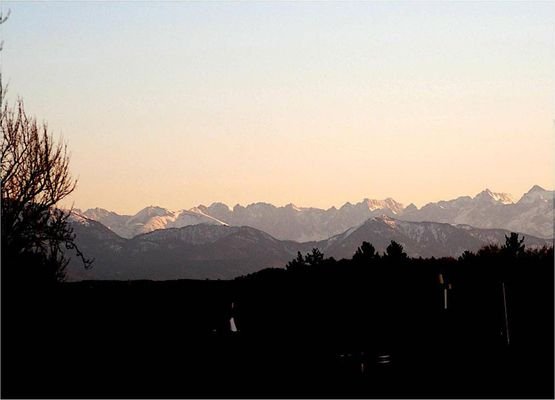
x=148, y=219
x=208, y=251
x=532, y=214
x=287, y=223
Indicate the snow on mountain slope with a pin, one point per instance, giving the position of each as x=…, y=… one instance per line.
x=115, y=222
x=532, y=214
x=220, y=251
x=149, y=219
x=300, y=223
x=193, y=216
x=491, y=197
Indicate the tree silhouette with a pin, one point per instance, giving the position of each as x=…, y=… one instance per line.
x=315, y=258
x=364, y=253
x=489, y=250
x=312, y=259
x=395, y=251
x=513, y=245
x=467, y=256
x=35, y=178
x=297, y=263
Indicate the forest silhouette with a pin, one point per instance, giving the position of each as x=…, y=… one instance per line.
x=377, y=325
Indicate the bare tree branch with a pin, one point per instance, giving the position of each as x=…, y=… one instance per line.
x=34, y=178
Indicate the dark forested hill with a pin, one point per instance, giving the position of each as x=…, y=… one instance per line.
x=192, y=252
x=209, y=251
x=419, y=239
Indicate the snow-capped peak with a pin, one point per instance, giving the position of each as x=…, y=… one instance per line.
x=488, y=195
x=152, y=211
x=77, y=217
x=388, y=204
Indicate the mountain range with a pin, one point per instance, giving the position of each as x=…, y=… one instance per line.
x=218, y=251
x=531, y=214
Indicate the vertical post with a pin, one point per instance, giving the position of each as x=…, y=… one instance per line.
x=445, y=288
x=507, y=336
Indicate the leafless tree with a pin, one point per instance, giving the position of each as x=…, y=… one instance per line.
x=34, y=177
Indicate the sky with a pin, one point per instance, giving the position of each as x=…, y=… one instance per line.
x=313, y=103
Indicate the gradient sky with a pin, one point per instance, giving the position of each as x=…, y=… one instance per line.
x=181, y=103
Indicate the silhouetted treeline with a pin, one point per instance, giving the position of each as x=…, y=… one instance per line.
x=480, y=325
x=376, y=325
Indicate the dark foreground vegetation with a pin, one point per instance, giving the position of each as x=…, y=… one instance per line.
x=374, y=326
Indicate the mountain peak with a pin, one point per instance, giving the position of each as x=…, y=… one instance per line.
x=488, y=195
x=102, y=209
x=536, y=188
x=220, y=206
x=152, y=211
x=346, y=205
x=387, y=203
x=292, y=206
x=261, y=206
x=97, y=211
x=536, y=194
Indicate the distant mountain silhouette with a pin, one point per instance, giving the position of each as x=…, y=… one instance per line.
x=147, y=220
x=194, y=252
x=419, y=239
x=532, y=214
x=287, y=223
x=222, y=252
